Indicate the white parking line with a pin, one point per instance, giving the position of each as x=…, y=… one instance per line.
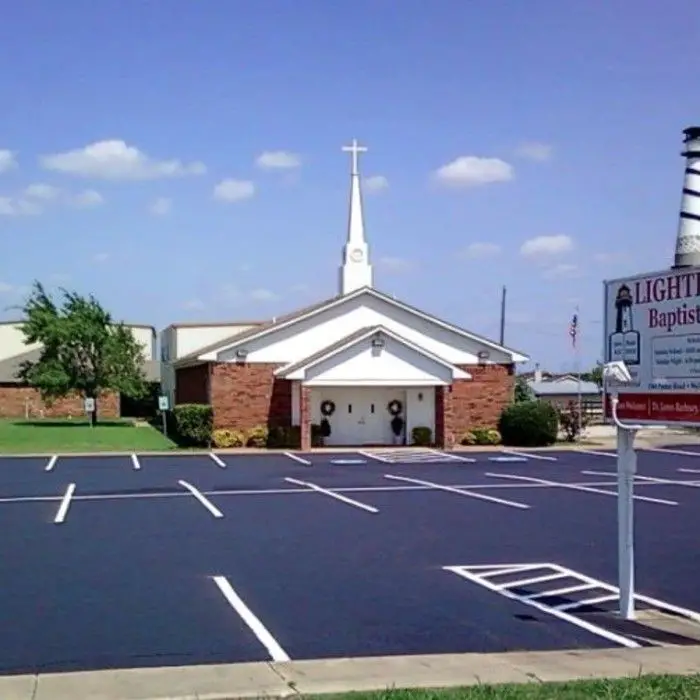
x=51, y=463
x=257, y=628
x=65, y=504
x=217, y=460
x=690, y=471
x=135, y=461
x=596, y=453
x=665, y=450
x=369, y=455
x=461, y=492
x=297, y=458
x=668, y=482
x=202, y=499
x=333, y=494
x=529, y=455
x=575, y=487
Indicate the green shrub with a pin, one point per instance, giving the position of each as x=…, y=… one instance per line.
x=317, y=437
x=422, y=436
x=529, y=424
x=193, y=423
x=257, y=436
x=469, y=438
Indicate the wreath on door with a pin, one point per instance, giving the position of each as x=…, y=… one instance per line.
x=327, y=410
x=395, y=407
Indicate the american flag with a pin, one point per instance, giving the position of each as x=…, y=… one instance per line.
x=573, y=329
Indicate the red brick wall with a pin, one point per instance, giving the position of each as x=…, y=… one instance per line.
x=244, y=396
x=192, y=384
x=473, y=403
x=13, y=398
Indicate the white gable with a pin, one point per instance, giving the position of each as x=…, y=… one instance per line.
x=393, y=364
x=307, y=335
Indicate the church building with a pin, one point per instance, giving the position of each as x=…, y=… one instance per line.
x=357, y=359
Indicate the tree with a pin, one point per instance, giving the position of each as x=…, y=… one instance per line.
x=523, y=392
x=595, y=375
x=83, y=351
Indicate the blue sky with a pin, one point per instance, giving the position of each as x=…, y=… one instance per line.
x=559, y=121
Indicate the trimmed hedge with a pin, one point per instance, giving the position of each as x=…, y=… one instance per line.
x=193, y=423
x=422, y=436
x=529, y=424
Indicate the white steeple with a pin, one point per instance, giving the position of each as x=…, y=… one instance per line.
x=356, y=272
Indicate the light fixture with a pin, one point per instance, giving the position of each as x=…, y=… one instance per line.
x=241, y=354
x=377, y=342
x=483, y=354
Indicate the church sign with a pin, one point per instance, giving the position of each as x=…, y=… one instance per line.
x=652, y=324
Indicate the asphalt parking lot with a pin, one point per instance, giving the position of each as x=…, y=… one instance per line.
x=133, y=561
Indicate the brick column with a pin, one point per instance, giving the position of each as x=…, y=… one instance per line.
x=305, y=416
x=444, y=418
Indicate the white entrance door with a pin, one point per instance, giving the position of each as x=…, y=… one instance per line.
x=361, y=416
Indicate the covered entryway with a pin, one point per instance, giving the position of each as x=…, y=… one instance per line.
x=361, y=415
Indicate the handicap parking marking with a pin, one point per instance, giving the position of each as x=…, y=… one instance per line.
x=62, y=511
x=577, y=487
x=457, y=490
x=277, y=653
x=332, y=494
x=561, y=601
x=529, y=455
x=405, y=455
x=202, y=499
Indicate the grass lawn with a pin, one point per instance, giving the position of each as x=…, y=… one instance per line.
x=65, y=436
x=642, y=688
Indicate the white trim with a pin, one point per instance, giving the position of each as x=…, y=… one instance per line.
x=338, y=301
x=297, y=369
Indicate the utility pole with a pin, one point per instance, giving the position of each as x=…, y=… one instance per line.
x=503, y=315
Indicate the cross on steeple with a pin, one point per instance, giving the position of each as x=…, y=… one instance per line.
x=355, y=149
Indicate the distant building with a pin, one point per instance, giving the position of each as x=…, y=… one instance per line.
x=17, y=400
x=560, y=390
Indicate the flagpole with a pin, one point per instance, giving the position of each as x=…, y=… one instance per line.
x=578, y=374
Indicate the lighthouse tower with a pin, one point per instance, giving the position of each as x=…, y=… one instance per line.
x=688, y=237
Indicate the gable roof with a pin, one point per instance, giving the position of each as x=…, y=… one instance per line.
x=564, y=386
x=310, y=311
x=361, y=334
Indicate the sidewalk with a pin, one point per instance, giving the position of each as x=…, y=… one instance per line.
x=226, y=682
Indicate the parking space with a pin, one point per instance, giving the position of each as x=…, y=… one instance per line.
x=157, y=560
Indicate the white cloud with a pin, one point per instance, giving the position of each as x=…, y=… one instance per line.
x=231, y=190
x=470, y=171
x=100, y=257
x=262, y=295
x=10, y=206
x=534, y=150
x=395, y=264
x=375, y=183
x=299, y=288
x=481, y=250
x=161, y=206
x=541, y=246
x=194, y=305
x=41, y=191
x=278, y=160
x=605, y=258
x=86, y=199
x=116, y=160
x=6, y=288
x=562, y=271
x=7, y=160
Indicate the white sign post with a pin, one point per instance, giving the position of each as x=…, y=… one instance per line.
x=163, y=407
x=89, y=405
